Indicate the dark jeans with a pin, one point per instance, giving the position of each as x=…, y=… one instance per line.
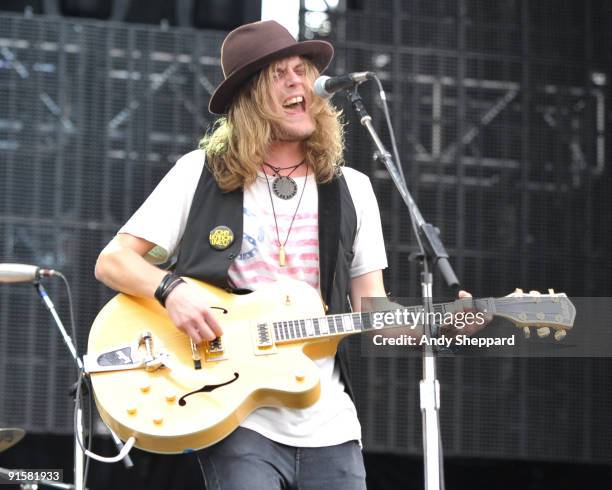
x=247, y=460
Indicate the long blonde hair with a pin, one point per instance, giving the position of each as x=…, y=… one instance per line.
x=236, y=146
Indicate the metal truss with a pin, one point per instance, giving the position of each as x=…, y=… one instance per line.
x=181, y=70
x=550, y=114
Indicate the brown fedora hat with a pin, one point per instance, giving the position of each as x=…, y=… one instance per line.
x=250, y=47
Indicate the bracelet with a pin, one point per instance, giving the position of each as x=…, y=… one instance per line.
x=166, y=286
x=170, y=288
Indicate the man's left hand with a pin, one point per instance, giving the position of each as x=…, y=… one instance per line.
x=467, y=327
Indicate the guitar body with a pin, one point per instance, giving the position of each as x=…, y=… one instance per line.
x=149, y=404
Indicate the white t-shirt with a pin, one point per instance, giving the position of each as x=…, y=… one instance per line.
x=162, y=219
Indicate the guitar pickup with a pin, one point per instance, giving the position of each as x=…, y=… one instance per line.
x=263, y=340
x=264, y=336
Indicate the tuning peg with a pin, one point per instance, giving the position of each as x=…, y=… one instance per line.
x=518, y=291
x=560, y=335
x=551, y=291
x=526, y=332
x=536, y=295
x=543, y=332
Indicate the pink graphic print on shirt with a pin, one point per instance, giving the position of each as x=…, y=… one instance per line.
x=258, y=261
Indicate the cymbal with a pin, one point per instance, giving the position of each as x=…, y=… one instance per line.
x=10, y=437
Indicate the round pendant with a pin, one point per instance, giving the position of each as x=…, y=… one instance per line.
x=284, y=187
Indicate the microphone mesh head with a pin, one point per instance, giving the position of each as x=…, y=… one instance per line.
x=319, y=87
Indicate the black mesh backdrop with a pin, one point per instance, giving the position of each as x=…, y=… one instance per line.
x=500, y=110
x=505, y=163
x=91, y=117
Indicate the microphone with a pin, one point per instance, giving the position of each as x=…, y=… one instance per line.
x=16, y=273
x=325, y=86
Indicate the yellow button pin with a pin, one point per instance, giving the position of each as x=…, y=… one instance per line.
x=220, y=237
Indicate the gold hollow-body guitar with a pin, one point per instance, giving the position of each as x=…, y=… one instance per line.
x=152, y=383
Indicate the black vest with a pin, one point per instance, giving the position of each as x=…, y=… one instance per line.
x=337, y=228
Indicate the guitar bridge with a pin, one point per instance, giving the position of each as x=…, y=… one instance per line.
x=214, y=350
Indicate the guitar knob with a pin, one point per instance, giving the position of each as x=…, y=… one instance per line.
x=560, y=335
x=526, y=332
x=543, y=332
x=131, y=410
x=145, y=387
x=158, y=419
x=299, y=376
x=170, y=396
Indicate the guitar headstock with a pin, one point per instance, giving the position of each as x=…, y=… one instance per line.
x=541, y=311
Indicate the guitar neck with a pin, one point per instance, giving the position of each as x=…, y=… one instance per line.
x=354, y=323
x=551, y=311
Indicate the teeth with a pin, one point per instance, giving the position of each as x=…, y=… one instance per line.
x=293, y=100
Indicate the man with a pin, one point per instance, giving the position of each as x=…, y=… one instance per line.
x=266, y=197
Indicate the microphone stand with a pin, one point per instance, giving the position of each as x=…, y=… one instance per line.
x=432, y=252
x=78, y=430
x=78, y=453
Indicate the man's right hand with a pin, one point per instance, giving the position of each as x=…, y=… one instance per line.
x=191, y=315
x=122, y=267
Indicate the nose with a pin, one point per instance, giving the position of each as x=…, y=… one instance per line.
x=293, y=78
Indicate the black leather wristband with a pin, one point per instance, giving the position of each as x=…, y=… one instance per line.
x=170, y=288
x=166, y=286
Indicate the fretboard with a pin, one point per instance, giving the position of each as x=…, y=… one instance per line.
x=351, y=323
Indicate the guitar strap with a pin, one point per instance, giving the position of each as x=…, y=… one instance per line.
x=200, y=257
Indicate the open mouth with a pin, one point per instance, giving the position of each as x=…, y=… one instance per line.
x=295, y=104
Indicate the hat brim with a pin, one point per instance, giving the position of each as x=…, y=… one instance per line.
x=319, y=52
